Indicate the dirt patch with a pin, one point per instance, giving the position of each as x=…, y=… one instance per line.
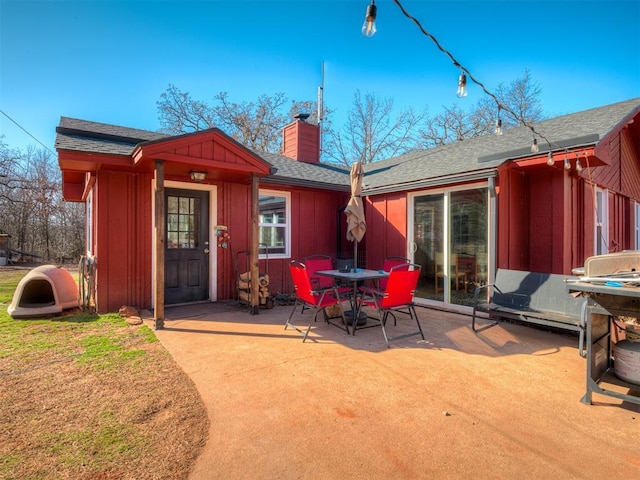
x=64, y=418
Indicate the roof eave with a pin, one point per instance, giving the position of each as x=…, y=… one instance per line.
x=431, y=182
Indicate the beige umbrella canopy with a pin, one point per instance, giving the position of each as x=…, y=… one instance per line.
x=356, y=224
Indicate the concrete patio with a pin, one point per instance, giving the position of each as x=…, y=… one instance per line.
x=500, y=404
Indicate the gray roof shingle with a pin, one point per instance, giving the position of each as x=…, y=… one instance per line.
x=94, y=137
x=293, y=172
x=475, y=156
x=484, y=154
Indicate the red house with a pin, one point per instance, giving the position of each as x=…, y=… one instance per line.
x=156, y=203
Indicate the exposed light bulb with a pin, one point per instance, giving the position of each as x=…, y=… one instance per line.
x=578, y=164
x=462, y=85
x=369, y=25
x=567, y=163
x=550, y=159
x=499, y=126
x=534, y=146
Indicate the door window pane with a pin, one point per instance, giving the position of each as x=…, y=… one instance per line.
x=429, y=241
x=183, y=222
x=468, y=243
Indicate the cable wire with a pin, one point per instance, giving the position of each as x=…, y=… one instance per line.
x=500, y=105
x=25, y=131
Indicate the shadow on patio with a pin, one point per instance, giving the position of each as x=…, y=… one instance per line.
x=504, y=403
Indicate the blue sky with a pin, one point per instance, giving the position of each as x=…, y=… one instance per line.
x=109, y=61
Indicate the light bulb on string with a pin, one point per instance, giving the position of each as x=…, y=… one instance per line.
x=578, y=164
x=567, y=163
x=369, y=26
x=499, y=123
x=550, y=159
x=462, y=85
x=534, y=146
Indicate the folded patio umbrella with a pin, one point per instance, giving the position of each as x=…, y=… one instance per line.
x=356, y=223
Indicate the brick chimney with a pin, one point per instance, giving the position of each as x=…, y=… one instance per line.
x=301, y=140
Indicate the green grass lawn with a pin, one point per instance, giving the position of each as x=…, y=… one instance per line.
x=79, y=397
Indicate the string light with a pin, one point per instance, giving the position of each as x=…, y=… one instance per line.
x=462, y=85
x=466, y=74
x=499, y=123
x=369, y=26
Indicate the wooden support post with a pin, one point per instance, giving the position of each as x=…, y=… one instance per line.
x=158, y=307
x=254, y=267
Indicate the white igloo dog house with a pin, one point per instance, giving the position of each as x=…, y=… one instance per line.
x=45, y=290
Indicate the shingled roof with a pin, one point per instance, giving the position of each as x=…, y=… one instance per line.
x=466, y=160
x=94, y=137
x=480, y=156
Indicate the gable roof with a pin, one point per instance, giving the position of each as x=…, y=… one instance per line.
x=75, y=135
x=478, y=157
x=474, y=158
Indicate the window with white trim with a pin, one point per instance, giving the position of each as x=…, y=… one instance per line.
x=275, y=223
x=601, y=222
x=637, y=222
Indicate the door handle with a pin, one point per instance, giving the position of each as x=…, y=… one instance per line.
x=206, y=250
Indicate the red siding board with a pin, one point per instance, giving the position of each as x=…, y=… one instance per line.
x=630, y=166
x=543, y=224
x=207, y=150
x=195, y=150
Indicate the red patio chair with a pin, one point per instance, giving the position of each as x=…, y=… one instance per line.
x=315, y=299
x=398, y=294
x=317, y=262
x=388, y=264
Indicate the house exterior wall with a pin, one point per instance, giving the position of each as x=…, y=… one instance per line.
x=621, y=179
x=122, y=239
x=386, y=227
x=545, y=216
x=123, y=236
x=513, y=206
x=548, y=225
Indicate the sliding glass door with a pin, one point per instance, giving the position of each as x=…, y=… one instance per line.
x=450, y=241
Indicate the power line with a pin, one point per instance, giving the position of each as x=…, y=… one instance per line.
x=499, y=104
x=25, y=131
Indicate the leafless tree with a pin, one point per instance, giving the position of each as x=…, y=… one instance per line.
x=371, y=132
x=257, y=125
x=34, y=213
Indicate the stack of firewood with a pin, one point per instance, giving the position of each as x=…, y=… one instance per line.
x=244, y=289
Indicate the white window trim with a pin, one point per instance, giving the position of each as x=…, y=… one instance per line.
x=637, y=222
x=287, y=225
x=601, y=218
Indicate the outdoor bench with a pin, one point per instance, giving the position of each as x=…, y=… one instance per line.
x=537, y=298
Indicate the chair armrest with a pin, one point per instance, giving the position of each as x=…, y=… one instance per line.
x=477, y=290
